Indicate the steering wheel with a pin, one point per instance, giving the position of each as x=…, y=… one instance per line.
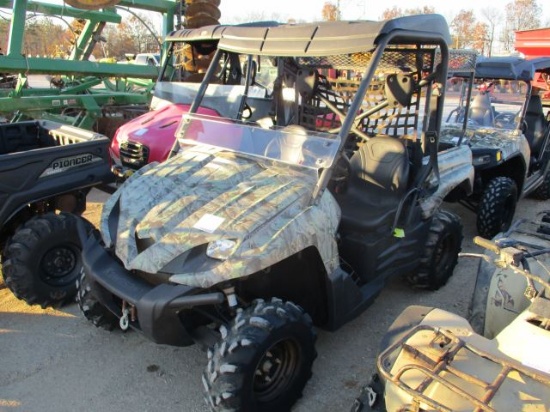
x=505, y=120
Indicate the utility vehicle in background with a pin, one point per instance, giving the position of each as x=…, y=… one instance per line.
x=46, y=172
x=290, y=209
x=150, y=136
x=508, y=133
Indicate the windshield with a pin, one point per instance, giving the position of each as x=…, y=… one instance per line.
x=456, y=95
x=494, y=103
x=291, y=144
x=503, y=98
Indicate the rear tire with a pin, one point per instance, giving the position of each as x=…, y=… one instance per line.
x=263, y=362
x=42, y=260
x=497, y=207
x=440, y=253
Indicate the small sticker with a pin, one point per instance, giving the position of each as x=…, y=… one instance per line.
x=398, y=233
x=209, y=223
x=141, y=132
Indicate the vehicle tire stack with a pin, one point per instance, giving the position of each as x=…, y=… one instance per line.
x=199, y=13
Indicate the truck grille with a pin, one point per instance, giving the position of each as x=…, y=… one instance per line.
x=133, y=155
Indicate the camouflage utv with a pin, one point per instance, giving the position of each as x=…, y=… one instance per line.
x=291, y=209
x=508, y=133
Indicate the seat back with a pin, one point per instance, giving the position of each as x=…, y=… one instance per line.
x=536, y=123
x=382, y=164
x=481, y=111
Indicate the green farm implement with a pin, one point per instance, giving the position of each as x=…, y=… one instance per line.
x=91, y=95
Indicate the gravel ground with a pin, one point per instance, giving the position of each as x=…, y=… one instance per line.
x=55, y=361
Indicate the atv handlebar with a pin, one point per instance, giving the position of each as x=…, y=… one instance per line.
x=509, y=257
x=487, y=244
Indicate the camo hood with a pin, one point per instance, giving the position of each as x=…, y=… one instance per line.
x=509, y=142
x=164, y=217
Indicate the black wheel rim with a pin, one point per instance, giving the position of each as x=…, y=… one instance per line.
x=276, y=370
x=58, y=266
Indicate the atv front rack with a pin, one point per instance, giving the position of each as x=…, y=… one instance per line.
x=446, y=347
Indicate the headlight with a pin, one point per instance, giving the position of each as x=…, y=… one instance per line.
x=481, y=160
x=221, y=249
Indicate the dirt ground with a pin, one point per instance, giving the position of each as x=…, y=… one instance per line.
x=54, y=360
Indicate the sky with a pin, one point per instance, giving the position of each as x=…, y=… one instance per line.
x=310, y=10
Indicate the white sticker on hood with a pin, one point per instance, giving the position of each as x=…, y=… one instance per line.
x=209, y=223
x=141, y=132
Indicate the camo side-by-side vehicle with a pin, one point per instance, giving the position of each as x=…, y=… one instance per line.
x=508, y=133
x=291, y=209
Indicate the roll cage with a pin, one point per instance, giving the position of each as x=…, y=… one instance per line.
x=355, y=79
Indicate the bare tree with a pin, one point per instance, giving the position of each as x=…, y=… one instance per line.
x=520, y=15
x=493, y=17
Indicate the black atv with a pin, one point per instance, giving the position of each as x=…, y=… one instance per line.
x=292, y=208
x=508, y=133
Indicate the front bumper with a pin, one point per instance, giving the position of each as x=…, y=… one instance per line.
x=159, y=308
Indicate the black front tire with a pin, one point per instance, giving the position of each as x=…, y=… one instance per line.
x=263, y=362
x=91, y=308
x=497, y=207
x=440, y=253
x=42, y=260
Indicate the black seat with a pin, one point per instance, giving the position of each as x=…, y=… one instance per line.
x=536, y=124
x=481, y=111
x=378, y=182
